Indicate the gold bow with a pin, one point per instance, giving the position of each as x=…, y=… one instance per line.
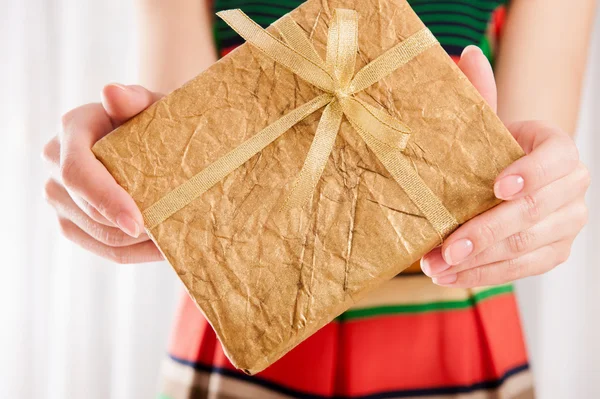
x=385, y=136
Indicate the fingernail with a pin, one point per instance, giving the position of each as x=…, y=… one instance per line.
x=119, y=86
x=458, y=251
x=470, y=48
x=445, y=280
x=433, y=263
x=128, y=225
x=508, y=186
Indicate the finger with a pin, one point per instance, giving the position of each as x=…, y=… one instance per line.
x=511, y=217
x=552, y=154
x=533, y=263
x=57, y=196
x=86, y=177
x=137, y=253
x=51, y=152
x=476, y=67
x=561, y=225
x=123, y=102
x=90, y=211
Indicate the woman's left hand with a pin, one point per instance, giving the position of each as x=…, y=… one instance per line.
x=533, y=230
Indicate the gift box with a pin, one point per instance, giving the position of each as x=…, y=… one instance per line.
x=308, y=166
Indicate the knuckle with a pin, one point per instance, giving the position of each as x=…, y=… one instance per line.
x=563, y=254
x=49, y=149
x=66, y=227
x=571, y=152
x=69, y=171
x=539, y=171
x=520, y=242
x=583, y=176
x=50, y=188
x=104, y=203
x=582, y=214
x=121, y=256
x=67, y=117
x=514, y=269
x=106, y=235
x=113, y=237
x=531, y=208
x=90, y=210
x=487, y=232
x=473, y=277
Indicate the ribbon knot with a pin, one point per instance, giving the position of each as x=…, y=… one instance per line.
x=341, y=94
x=384, y=134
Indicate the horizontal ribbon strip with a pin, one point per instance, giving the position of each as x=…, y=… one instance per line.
x=385, y=136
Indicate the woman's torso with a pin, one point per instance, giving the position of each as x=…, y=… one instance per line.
x=455, y=23
x=409, y=338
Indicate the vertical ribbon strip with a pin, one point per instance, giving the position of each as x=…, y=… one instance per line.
x=385, y=136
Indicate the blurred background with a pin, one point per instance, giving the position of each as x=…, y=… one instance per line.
x=75, y=326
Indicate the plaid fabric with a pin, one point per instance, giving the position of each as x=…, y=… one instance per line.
x=408, y=339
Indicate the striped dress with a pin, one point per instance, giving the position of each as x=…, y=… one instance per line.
x=409, y=338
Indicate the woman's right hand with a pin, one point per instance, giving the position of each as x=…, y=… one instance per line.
x=92, y=209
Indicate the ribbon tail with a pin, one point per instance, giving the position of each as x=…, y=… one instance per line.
x=402, y=171
x=295, y=37
x=182, y=195
x=317, y=157
x=378, y=123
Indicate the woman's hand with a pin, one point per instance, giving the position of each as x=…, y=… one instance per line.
x=92, y=209
x=544, y=209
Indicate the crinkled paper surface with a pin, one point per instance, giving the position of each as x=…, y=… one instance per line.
x=267, y=280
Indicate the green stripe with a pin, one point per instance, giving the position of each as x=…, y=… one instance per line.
x=163, y=396
x=454, y=41
x=444, y=8
x=463, y=19
x=486, y=47
x=263, y=20
x=480, y=5
x=225, y=32
x=451, y=30
x=425, y=307
x=443, y=34
x=489, y=293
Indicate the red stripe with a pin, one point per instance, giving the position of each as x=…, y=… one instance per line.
x=310, y=367
x=193, y=338
x=499, y=19
x=437, y=349
x=227, y=50
x=409, y=351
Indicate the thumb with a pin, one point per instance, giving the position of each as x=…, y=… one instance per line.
x=475, y=65
x=124, y=102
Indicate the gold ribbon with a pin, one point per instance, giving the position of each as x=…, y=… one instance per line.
x=385, y=136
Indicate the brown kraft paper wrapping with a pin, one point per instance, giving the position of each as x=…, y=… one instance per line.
x=267, y=279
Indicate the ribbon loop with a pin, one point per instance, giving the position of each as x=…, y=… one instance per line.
x=342, y=47
x=385, y=135
x=392, y=59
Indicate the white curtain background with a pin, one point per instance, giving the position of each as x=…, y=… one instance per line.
x=75, y=326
